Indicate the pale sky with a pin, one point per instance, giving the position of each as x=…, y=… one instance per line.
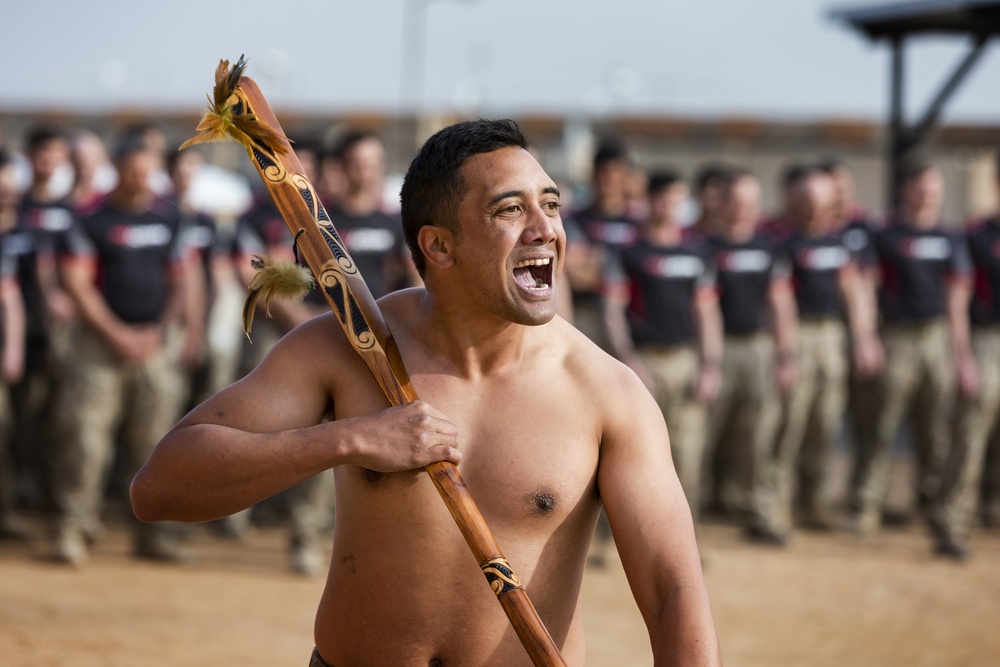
x=780, y=59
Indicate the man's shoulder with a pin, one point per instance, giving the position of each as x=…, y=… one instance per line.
x=606, y=379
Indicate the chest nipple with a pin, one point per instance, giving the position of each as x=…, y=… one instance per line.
x=542, y=503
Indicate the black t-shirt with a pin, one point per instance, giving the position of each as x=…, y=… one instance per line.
x=858, y=236
x=40, y=235
x=916, y=266
x=592, y=227
x=745, y=273
x=663, y=283
x=21, y=244
x=816, y=264
x=49, y=222
x=372, y=240
x=135, y=256
x=610, y=231
x=984, y=246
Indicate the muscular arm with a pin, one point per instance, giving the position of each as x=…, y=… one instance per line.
x=263, y=434
x=653, y=529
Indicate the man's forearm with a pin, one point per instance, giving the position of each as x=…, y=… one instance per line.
x=686, y=636
x=203, y=472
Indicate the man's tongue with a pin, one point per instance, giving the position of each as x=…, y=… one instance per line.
x=524, y=278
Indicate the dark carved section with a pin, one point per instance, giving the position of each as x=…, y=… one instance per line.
x=500, y=576
x=357, y=319
x=337, y=294
x=263, y=160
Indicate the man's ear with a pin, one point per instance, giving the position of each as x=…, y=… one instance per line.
x=438, y=244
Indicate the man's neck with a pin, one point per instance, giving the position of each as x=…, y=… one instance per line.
x=470, y=344
x=39, y=192
x=917, y=220
x=663, y=232
x=359, y=203
x=611, y=207
x=132, y=202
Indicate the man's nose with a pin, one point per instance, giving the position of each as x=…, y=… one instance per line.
x=542, y=227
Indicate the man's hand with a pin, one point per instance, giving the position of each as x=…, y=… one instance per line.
x=968, y=377
x=709, y=382
x=135, y=344
x=403, y=438
x=61, y=307
x=786, y=373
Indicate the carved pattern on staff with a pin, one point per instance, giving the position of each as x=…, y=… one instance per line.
x=334, y=283
x=500, y=576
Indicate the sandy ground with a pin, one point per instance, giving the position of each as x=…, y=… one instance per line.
x=828, y=599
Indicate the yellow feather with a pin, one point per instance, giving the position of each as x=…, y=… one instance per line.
x=219, y=122
x=275, y=279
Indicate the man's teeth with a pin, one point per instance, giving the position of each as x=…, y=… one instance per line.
x=532, y=262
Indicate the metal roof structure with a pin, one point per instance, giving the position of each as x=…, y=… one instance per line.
x=961, y=17
x=978, y=20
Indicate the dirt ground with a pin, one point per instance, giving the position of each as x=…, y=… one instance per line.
x=826, y=599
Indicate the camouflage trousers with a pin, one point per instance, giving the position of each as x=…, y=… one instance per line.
x=742, y=425
x=102, y=402
x=675, y=371
x=975, y=423
x=812, y=413
x=919, y=380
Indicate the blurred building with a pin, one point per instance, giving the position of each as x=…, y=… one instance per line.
x=965, y=152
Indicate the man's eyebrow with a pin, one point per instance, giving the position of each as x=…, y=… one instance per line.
x=551, y=190
x=504, y=195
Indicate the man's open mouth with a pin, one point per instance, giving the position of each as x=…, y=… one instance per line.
x=534, y=274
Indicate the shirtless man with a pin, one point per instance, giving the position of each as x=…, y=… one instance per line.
x=544, y=427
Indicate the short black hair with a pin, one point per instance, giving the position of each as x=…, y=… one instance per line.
x=734, y=175
x=43, y=134
x=610, y=150
x=797, y=172
x=832, y=164
x=660, y=180
x=713, y=172
x=912, y=168
x=434, y=187
x=350, y=139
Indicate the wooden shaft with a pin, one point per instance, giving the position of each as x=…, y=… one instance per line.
x=352, y=302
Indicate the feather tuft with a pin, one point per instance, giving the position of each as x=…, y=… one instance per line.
x=275, y=279
x=220, y=122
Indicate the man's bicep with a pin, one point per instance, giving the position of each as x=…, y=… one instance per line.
x=649, y=515
x=287, y=390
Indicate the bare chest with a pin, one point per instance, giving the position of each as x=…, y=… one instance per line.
x=530, y=450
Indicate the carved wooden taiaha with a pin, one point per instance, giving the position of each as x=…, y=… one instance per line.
x=239, y=110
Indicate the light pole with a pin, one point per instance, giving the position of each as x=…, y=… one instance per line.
x=414, y=53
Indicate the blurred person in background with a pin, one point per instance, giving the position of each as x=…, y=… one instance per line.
x=664, y=323
x=827, y=285
x=309, y=504
x=373, y=238
x=46, y=216
x=594, y=233
x=93, y=173
x=125, y=269
x=924, y=276
x=857, y=227
x=214, y=261
x=709, y=188
x=758, y=361
x=12, y=330
x=975, y=428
